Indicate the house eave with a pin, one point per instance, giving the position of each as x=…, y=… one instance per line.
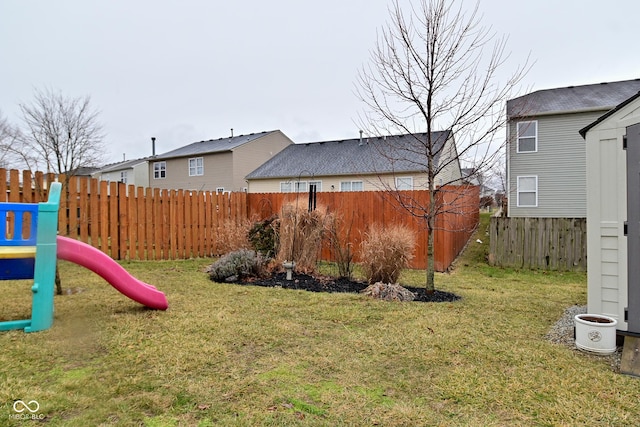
x=560, y=112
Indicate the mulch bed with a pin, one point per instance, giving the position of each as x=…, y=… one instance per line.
x=330, y=284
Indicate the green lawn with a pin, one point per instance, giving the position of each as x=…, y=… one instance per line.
x=232, y=355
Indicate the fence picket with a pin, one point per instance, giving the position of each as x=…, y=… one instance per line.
x=150, y=224
x=538, y=243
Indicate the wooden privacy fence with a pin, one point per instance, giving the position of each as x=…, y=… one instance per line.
x=539, y=243
x=128, y=222
x=359, y=210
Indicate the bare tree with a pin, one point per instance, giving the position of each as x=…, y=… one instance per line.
x=60, y=134
x=435, y=68
x=7, y=134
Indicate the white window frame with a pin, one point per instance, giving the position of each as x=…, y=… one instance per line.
x=285, y=186
x=535, y=136
x=521, y=191
x=301, y=186
x=196, y=166
x=123, y=176
x=318, y=185
x=343, y=185
x=219, y=189
x=404, y=183
x=159, y=170
x=295, y=186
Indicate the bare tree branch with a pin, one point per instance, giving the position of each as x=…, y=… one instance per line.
x=62, y=133
x=436, y=68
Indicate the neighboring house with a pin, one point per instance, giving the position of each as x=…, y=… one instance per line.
x=471, y=177
x=83, y=171
x=546, y=156
x=131, y=172
x=217, y=164
x=359, y=164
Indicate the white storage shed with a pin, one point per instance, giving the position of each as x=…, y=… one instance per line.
x=613, y=215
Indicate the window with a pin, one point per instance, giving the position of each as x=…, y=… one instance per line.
x=527, y=191
x=123, y=176
x=297, y=186
x=196, y=166
x=285, y=187
x=527, y=137
x=404, y=183
x=219, y=189
x=300, y=186
x=159, y=170
x=351, y=186
x=318, y=185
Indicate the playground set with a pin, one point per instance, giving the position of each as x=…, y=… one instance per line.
x=30, y=247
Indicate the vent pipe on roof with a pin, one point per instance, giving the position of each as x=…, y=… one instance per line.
x=153, y=146
x=124, y=157
x=231, y=132
x=360, y=137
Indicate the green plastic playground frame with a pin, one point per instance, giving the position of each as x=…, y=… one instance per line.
x=45, y=216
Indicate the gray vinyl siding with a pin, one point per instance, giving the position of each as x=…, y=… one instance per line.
x=559, y=164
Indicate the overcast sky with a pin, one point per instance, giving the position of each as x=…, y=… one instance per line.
x=190, y=70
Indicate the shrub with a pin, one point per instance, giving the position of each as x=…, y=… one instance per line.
x=263, y=236
x=236, y=265
x=233, y=236
x=300, y=235
x=385, y=252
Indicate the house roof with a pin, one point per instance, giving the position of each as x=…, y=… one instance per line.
x=127, y=164
x=213, y=145
x=82, y=171
x=572, y=99
x=609, y=113
x=348, y=157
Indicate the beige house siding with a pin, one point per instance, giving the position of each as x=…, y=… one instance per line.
x=217, y=173
x=250, y=156
x=225, y=170
x=137, y=175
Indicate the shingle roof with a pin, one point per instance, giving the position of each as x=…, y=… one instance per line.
x=127, y=164
x=346, y=157
x=601, y=96
x=609, y=113
x=212, y=145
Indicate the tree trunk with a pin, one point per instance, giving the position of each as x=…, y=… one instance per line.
x=58, y=281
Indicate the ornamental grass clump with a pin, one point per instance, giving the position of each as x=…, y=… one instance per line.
x=236, y=265
x=300, y=234
x=232, y=236
x=385, y=252
x=389, y=292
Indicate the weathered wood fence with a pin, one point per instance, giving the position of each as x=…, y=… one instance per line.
x=360, y=210
x=539, y=243
x=128, y=222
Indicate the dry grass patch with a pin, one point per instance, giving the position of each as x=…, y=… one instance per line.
x=250, y=356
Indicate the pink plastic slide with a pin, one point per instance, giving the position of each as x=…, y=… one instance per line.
x=101, y=264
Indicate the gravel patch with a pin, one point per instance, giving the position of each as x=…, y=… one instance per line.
x=562, y=332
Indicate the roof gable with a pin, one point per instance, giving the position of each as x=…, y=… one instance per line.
x=608, y=114
x=127, y=164
x=593, y=97
x=213, y=145
x=348, y=157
